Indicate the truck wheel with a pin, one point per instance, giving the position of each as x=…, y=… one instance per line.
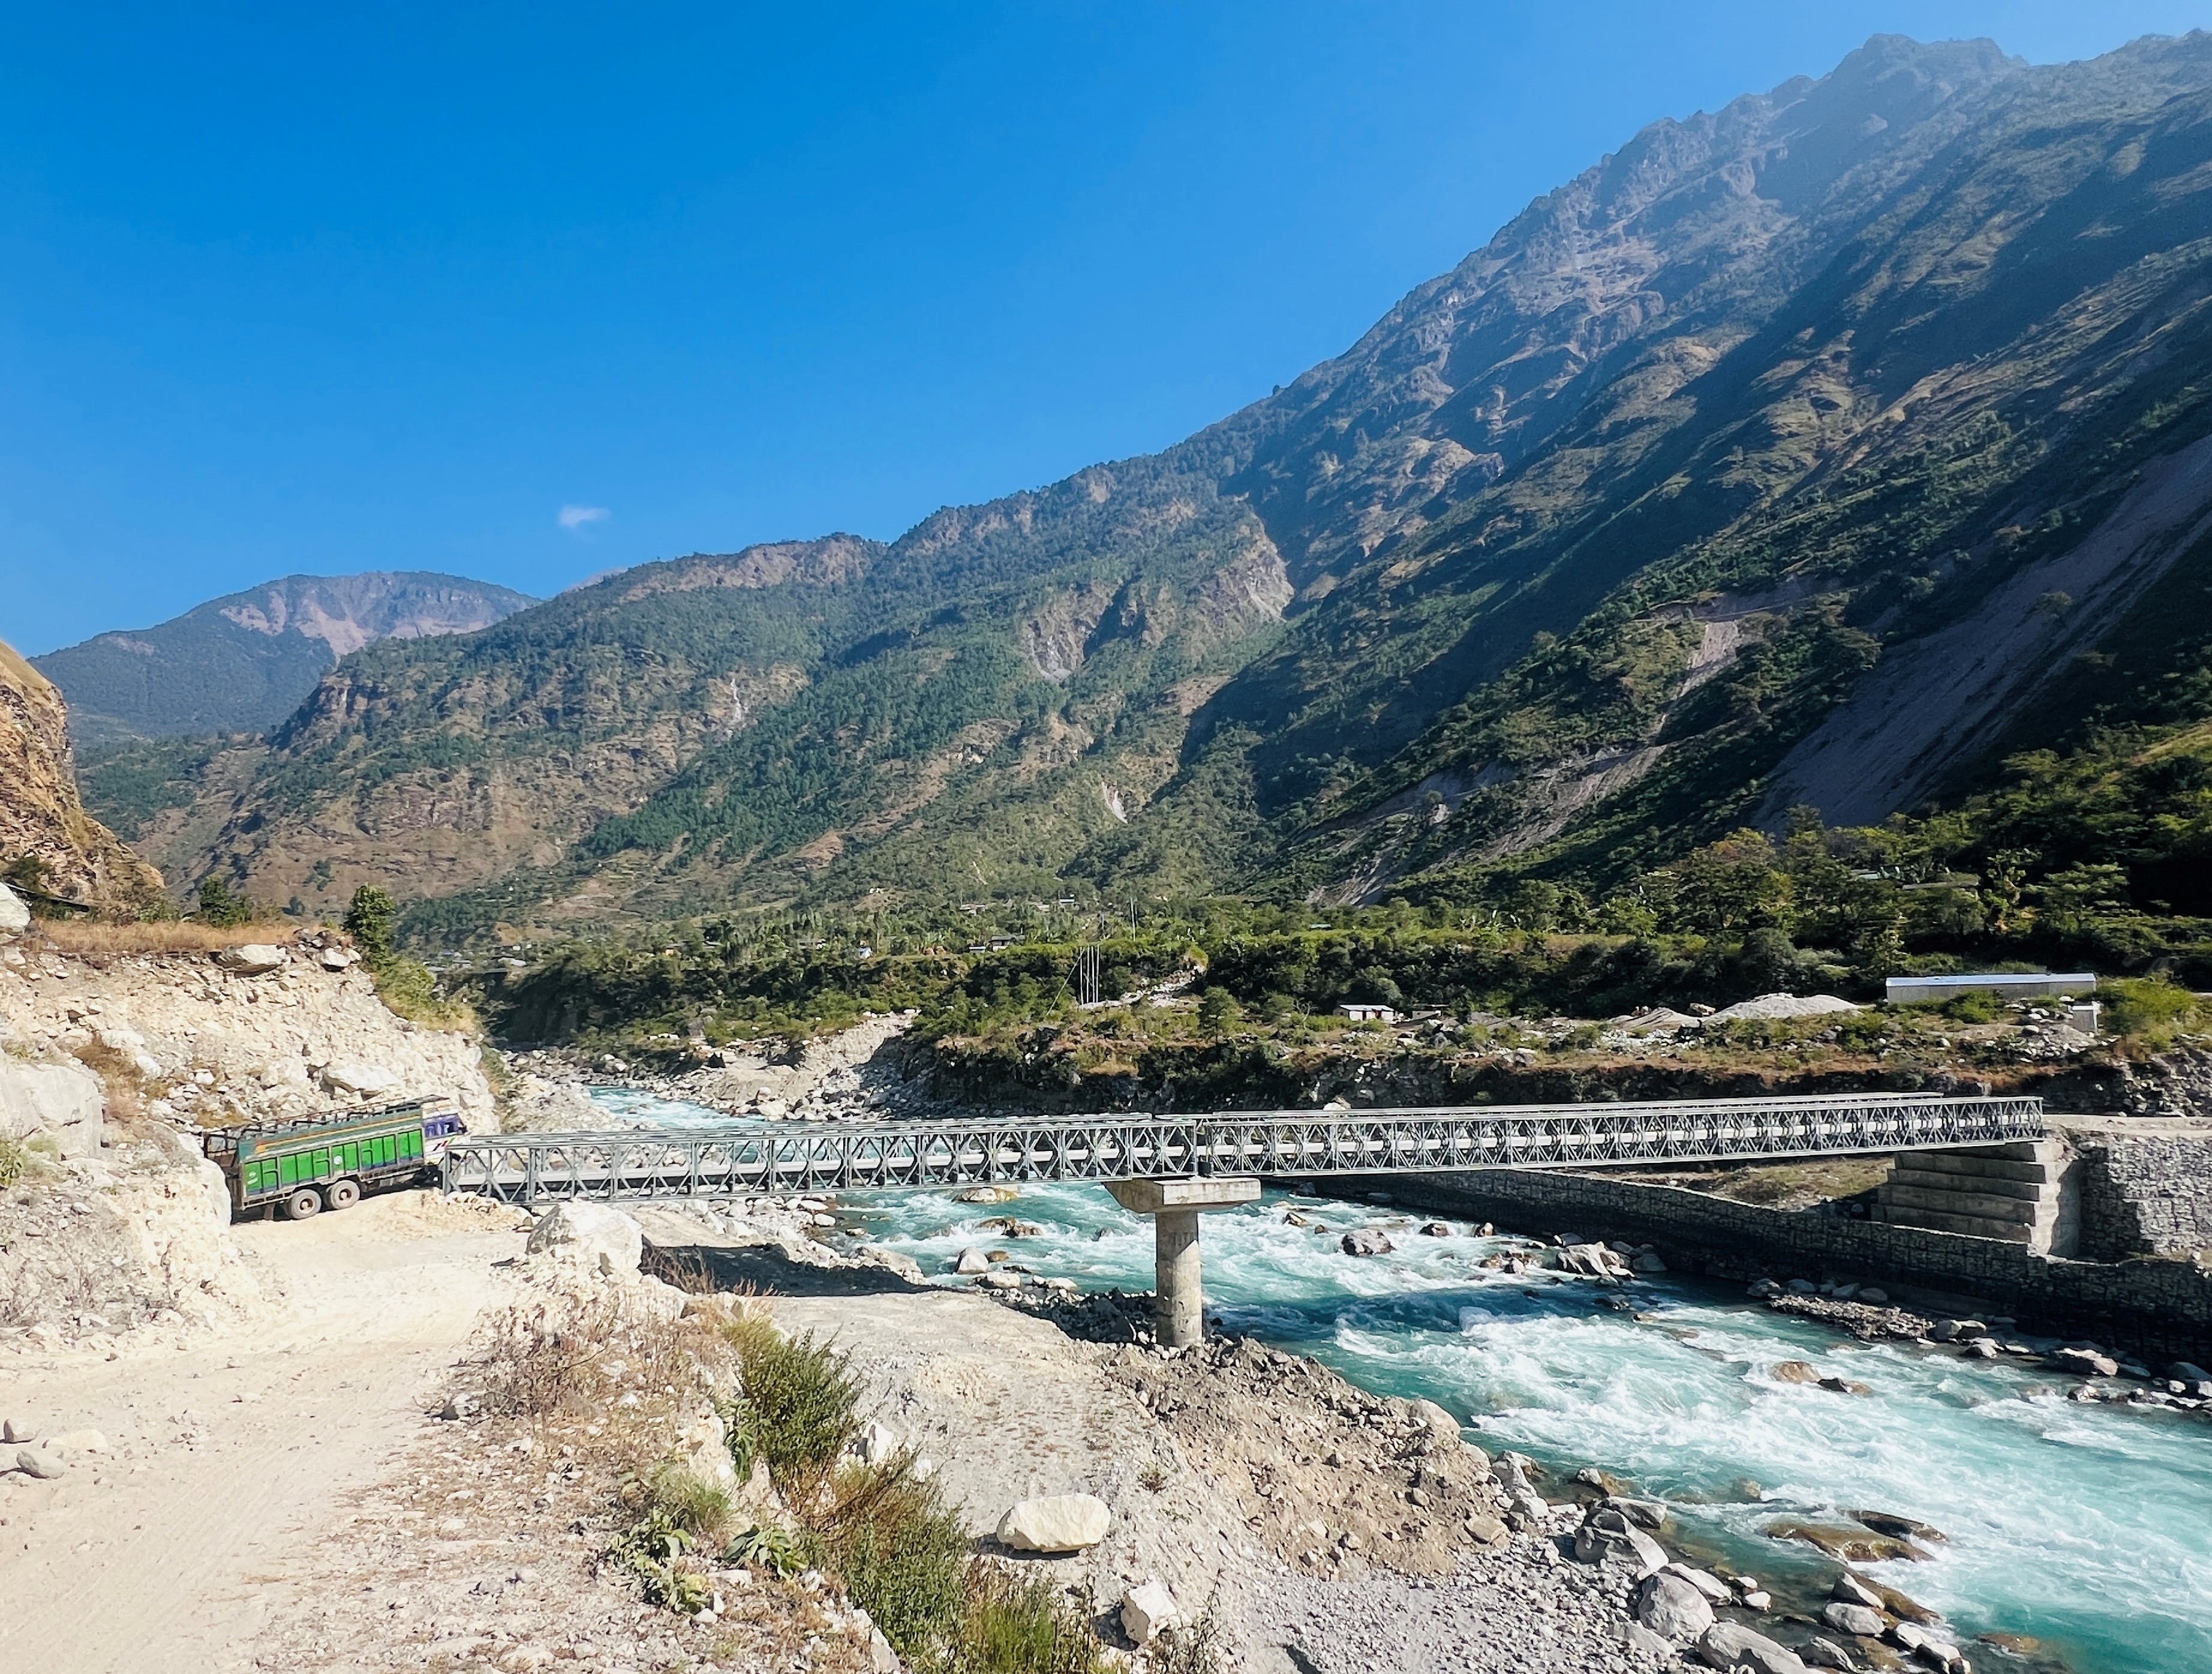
x=342, y=1194
x=303, y=1204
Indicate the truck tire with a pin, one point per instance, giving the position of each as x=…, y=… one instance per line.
x=303, y=1204
x=341, y=1194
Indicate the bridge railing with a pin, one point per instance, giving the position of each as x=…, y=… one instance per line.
x=735, y=1160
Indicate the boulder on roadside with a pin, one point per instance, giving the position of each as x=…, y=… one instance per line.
x=71, y=1443
x=15, y=916
x=41, y=1463
x=1672, y=1608
x=1055, y=1523
x=1146, y=1608
x=601, y=1238
x=254, y=959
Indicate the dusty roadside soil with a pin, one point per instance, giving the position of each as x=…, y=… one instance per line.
x=232, y=1450
x=277, y=1491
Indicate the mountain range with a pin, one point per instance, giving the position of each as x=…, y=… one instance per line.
x=244, y=661
x=1825, y=449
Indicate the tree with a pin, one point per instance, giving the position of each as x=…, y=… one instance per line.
x=221, y=905
x=370, y=920
x=1218, y=1011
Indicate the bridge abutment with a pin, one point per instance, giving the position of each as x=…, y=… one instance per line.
x=2023, y=1193
x=1179, y=1270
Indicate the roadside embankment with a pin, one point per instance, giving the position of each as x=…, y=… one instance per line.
x=256, y=1031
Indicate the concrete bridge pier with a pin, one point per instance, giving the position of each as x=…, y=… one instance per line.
x=1175, y=1206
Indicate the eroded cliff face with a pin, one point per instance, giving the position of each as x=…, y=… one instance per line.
x=40, y=816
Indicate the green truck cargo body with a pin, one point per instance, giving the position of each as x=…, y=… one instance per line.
x=331, y=1160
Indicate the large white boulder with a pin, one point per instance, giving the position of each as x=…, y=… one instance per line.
x=601, y=1238
x=1146, y=1609
x=1055, y=1523
x=15, y=916
x=62, y=1099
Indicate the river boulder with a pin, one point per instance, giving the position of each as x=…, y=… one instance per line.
x=1670, y=1607
x=1367, y=1241
x=1854, y=1619
x=1609, y=1539
x=1732, y=1647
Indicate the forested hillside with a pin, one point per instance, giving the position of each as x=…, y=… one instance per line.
x=1827, y=450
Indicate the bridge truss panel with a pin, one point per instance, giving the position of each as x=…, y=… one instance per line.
x=739, y=1159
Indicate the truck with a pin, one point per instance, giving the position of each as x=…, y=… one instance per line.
x=301, y=1167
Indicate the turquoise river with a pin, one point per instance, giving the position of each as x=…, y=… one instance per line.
x=2087, y=1527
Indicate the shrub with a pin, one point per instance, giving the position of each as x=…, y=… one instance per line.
x=371, y=918
x=891, y=1537
x=15, y=1161
x=682, y=1498
x=2148, y=1012
x=658, y=1551
x=1195, y=1649
x=535, y=1359
x=1018, y=1624
x=222, y=906
x=798, y=1396
x=1975, y=1005
x=764, y=1546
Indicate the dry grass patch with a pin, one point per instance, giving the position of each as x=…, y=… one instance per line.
x=85, y=935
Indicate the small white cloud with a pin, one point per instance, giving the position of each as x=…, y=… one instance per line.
x=577, y=517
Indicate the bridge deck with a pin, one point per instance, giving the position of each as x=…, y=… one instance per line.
x=747, y=1157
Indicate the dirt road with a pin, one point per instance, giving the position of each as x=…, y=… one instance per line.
x=231, y=1451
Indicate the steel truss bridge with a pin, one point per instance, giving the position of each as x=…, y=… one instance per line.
x=765, y=1159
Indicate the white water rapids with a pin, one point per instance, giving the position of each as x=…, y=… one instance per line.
x=2087, y=1527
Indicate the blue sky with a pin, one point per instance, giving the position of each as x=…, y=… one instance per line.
x=315, y=289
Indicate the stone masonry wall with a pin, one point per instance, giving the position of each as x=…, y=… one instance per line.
x=2155, y=1307
x=2143, y=1193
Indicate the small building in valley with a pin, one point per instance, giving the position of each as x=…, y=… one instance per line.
x=1368, y=1013
x=2005, y=984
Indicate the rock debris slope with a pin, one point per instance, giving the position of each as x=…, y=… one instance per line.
x=41, y=817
